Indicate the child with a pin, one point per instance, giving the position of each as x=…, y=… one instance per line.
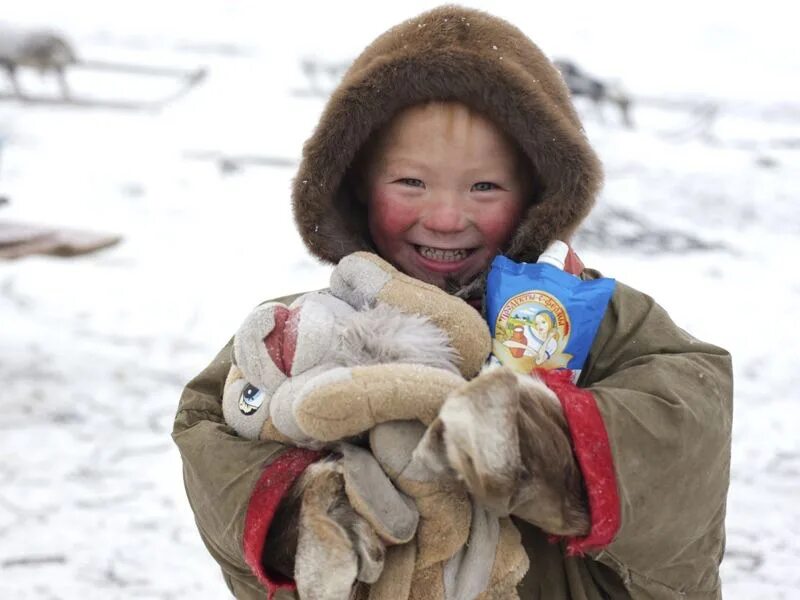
x=451, y=139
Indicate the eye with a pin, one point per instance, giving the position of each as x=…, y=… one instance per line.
x=484, y=186
x=412, y=182
x=250, y=400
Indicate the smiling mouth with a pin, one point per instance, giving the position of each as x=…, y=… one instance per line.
x=444, y=255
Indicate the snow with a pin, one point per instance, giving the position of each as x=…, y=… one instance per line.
x=94, y=350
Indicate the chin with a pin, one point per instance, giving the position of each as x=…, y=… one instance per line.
x=436, y=279
x=452, y=281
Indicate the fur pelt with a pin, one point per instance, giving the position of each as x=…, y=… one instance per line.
x=449, y=53
x=506, y=436
x=335, y=545
x=327, y=513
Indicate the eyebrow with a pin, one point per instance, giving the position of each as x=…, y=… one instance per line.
x=402, y=161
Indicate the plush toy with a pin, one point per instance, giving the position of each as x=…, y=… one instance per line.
x=363, y=370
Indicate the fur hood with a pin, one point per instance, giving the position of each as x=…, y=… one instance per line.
x=449, y=53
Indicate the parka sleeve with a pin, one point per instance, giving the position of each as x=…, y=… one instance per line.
x=656, y=404
x=234, y=485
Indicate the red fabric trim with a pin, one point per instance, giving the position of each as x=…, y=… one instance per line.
x=273, y=484
x=573, y=264
x=593, y=451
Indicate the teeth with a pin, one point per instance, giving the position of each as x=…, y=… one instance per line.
x=443, y=255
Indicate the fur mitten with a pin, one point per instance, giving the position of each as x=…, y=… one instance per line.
x=506, y=437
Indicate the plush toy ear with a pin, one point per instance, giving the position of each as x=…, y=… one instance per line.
x=276, y=342
x=257, y=352
x=391, y=513
x=310, y=336
x=257, y=371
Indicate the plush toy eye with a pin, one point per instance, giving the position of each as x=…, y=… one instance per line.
x=250, y=400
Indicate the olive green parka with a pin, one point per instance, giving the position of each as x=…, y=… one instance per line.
x=652, y=420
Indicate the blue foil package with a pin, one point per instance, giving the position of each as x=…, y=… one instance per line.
x=541, y=317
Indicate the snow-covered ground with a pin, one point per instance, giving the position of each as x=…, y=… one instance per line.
x=94, y=350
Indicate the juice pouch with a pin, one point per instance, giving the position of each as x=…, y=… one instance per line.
x=541, y=317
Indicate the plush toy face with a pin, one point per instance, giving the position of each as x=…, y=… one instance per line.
x=276, y=349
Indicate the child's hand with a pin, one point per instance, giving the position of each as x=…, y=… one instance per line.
x=505, y=436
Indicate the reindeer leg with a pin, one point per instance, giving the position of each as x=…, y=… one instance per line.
x=598, y=97
x=11, y=70
x=62, y=81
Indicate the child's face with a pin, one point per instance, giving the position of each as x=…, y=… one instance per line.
x=445, y=192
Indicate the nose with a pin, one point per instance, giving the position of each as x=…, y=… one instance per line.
x=445, y=213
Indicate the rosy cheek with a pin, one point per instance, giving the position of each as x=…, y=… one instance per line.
x=389, y=213
x=497, y=229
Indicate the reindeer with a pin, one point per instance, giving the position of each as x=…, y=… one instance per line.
x=582, y=84
x=40, y=49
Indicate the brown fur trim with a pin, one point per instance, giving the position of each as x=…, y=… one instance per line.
x=449, y=53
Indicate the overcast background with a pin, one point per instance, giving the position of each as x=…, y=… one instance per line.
x=699, y=210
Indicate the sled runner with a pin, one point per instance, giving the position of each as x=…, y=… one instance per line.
x=49, y=52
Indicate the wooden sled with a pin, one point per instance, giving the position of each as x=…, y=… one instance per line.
x=23, y=239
